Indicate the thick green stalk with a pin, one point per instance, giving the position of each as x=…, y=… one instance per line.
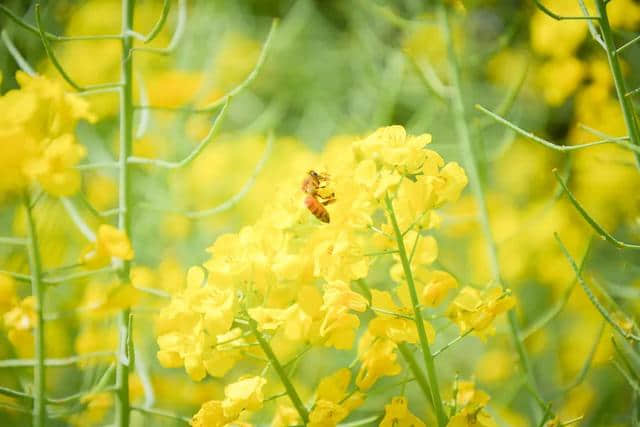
x=468, y=158
x=282, y=374
x=124, y=197
x=37, y=291
x=422, y=334
x=415, y=369
x=618, y=80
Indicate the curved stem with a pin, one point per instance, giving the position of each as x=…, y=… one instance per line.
x=37, y=291
x=21, y=23
x=175, y=39
x=49, y=52
x=592, y=222
x=64, y=361
x=233, y=92
x=166, y=5
x=557, y=17
x=594, y=300
x=231, y=201
x=15, y=53
x=422, y=334
x=213, y=131
x=162, y=413
x=620, y=140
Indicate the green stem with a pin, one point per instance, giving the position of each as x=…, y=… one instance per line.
x=415, y=369
x=594, y=300
x=466, y=147
x=422, y=334
x=162, y=413
x=286, y=382
x=618, y=80
x=124, y=197
x=37, y=290
x=452, y=342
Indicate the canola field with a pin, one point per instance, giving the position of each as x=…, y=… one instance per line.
x=396, y=213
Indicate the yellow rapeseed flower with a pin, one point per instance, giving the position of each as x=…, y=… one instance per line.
x=397, y=414
x=110, y=243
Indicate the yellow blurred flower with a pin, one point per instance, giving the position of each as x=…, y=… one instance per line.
x=96, y=407
x=559, y=78
x=624, y=14
x=545, y=32
x=8, y=296
x=54, y=170
x=36, y=135
x=20, y=322
x=495, y=365
x=110, y=243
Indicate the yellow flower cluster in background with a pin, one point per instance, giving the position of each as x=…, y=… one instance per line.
x=38, y=141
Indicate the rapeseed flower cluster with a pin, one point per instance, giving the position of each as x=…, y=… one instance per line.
x=295, y=277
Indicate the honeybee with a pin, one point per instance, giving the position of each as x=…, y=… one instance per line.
x=318, y=195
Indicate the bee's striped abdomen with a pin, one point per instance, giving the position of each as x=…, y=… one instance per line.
x=316, y=208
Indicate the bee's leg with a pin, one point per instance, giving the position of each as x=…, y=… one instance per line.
x=328, y=200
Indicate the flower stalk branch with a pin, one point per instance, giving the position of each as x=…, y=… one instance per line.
x=422, y=334
x=37, y=290
x=286, y=382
